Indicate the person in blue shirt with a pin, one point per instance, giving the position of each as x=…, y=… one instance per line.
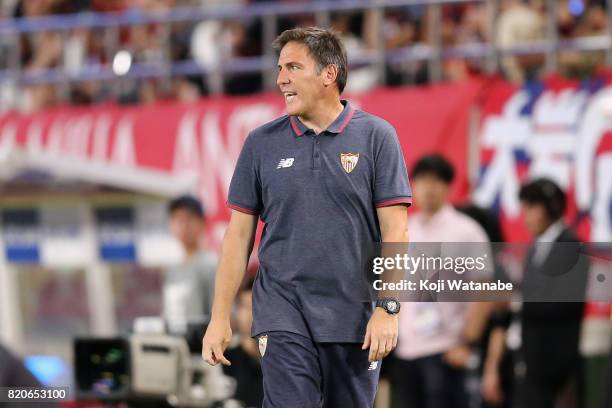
x=325, y=179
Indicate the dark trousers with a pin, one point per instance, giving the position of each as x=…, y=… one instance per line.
x=553, y=362
x=429, y=382
x=299, y=373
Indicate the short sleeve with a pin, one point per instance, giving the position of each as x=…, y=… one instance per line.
x=245, y=188
x=391, y=185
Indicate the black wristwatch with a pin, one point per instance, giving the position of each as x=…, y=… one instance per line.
x=389, y=305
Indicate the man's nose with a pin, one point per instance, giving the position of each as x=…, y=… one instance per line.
x=282, y=78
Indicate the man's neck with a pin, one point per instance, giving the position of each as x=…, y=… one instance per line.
x=429, y=214
x=551, y=231
x=190, y=252
x=324, y=115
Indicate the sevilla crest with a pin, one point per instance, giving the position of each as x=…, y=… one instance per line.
x=349, y=161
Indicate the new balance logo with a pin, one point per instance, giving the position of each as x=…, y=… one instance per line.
x=373, y=366
x=284, y=163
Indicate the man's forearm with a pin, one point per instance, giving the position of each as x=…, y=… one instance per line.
x=398, y=235
x=234, y=259
x=395, y=235
x=496, y=348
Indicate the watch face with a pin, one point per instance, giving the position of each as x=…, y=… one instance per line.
x=392, y=306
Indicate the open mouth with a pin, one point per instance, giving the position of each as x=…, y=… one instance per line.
x=289, y=96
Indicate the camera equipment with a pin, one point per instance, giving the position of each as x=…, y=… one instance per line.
x=147, y=367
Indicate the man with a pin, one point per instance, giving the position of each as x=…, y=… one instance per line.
x=324, y=179
x=188, y=288
x=553, y=292
x=436, y=338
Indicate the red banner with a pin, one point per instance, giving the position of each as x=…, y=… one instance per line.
x=203, y=140
x=557, y=129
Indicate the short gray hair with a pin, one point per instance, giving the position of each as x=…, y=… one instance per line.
x=324, y=45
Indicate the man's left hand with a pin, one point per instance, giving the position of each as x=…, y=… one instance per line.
x=381, y=334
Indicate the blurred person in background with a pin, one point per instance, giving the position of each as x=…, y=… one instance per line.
x=213, y=42
x=402, y=28
x=436, y=338
x=519, y=24
x=496, y=367
x=39, y=50
x=550, y=329
x=246, y=366
x=463, y=24
x=188, y=288
x=497, y=384
x=581, y=20
x=355, y=34
x=246, y=37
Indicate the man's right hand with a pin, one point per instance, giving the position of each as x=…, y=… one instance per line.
x=215, y=341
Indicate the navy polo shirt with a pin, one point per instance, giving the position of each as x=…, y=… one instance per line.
x=317, y=195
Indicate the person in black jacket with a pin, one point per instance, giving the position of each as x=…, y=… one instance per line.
x=554, y=286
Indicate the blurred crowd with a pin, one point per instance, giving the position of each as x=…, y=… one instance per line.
x=212, y=43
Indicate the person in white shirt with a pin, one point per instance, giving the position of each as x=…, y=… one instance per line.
x=435, y=338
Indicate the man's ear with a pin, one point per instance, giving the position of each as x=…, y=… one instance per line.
x=330, y=73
